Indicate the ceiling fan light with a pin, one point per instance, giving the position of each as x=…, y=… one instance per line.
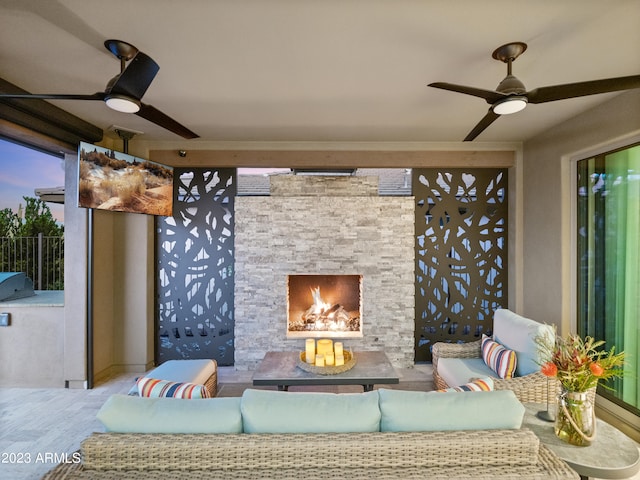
x=123, y=104
x=510, y=105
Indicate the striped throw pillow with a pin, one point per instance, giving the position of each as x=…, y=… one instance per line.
x=152, y=387
x=499, y=359
x=477, y=385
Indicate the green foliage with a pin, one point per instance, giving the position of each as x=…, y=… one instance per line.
x=38, y=219
x=579, y=363
x=21, y=244
x=9, y=223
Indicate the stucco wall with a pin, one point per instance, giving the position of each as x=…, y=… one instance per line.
x=75, y=277
x=103, y=285
x=134, y=278
x=32, y=347
x=123, y=293
x=548, y=191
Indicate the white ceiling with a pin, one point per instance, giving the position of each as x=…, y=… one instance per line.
x=320, y=70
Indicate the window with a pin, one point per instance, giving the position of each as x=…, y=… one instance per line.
x=32, y=214
x=608, y=232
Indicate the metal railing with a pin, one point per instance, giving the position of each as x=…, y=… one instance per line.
x=40, y=258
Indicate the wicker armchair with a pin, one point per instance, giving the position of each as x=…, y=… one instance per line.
x=534, y=387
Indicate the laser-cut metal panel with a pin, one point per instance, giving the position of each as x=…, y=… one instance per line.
x=461, y=254
x=195, y=276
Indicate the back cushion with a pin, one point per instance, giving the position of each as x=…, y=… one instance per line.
x=128, y=414
x=265, y=411
x=518, y=333
x=408, y=411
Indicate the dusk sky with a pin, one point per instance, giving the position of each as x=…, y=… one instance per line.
x=22, y=170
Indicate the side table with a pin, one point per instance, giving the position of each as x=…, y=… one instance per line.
x=611, y=455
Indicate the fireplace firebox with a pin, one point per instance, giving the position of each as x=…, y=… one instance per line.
x=324, y=306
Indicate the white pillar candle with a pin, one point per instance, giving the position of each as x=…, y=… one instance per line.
x=324, y=346
x=310, y=350
x=337, y=347
x=319, y=360
x=339, y=360
x=328, y=358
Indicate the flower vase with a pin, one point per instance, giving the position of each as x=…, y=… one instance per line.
x=575, y=418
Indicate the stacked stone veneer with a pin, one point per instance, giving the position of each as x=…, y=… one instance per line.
x=324, y=225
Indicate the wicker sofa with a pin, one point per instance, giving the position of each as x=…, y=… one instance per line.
x=384, y=434
x=458, y=363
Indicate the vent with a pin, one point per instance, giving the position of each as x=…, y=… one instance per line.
x=345, y=172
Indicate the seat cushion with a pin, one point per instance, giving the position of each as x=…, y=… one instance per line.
x=192, y=371
x=458, y=371
x=518, y=333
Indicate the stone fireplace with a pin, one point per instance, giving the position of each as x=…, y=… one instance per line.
x=324, y=226
x=324, y=306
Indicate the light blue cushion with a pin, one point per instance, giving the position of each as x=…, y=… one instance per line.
x=407, y=411
x=458, y=371
x=192, y=371
x=128, y=414
x=518, y=333
x=265, y=411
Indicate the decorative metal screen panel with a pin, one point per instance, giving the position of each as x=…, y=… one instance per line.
x=461, y=254
x=195, y=268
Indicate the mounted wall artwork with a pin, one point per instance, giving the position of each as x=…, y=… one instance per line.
x=111, y=180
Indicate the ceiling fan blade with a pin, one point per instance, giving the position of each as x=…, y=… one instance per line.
x=154, y=115
x=487, y=120
x=54, y=96
x=581, y=89
x=136, y=77
x=490, y=96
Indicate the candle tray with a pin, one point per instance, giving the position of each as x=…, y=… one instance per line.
x=349, y=362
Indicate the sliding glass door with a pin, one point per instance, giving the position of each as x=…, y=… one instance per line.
x=608, y=249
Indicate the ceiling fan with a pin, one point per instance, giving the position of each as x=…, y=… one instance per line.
x=124, y=91
x=510, y=96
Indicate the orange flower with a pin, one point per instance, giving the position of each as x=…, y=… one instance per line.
x=596, y=369
x=549, y=369
x=579, y=364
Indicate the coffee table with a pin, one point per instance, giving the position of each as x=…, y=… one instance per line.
x=280, y=369
x=611, y=455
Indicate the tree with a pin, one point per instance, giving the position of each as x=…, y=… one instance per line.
x=23, y=252
x=38, y=219
x=9, y=223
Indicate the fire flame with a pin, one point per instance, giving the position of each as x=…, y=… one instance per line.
x=326, y=310
x=319, y=305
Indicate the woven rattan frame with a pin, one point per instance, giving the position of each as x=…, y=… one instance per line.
x=533, y=388
x=479, y=454
x=212, y=383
